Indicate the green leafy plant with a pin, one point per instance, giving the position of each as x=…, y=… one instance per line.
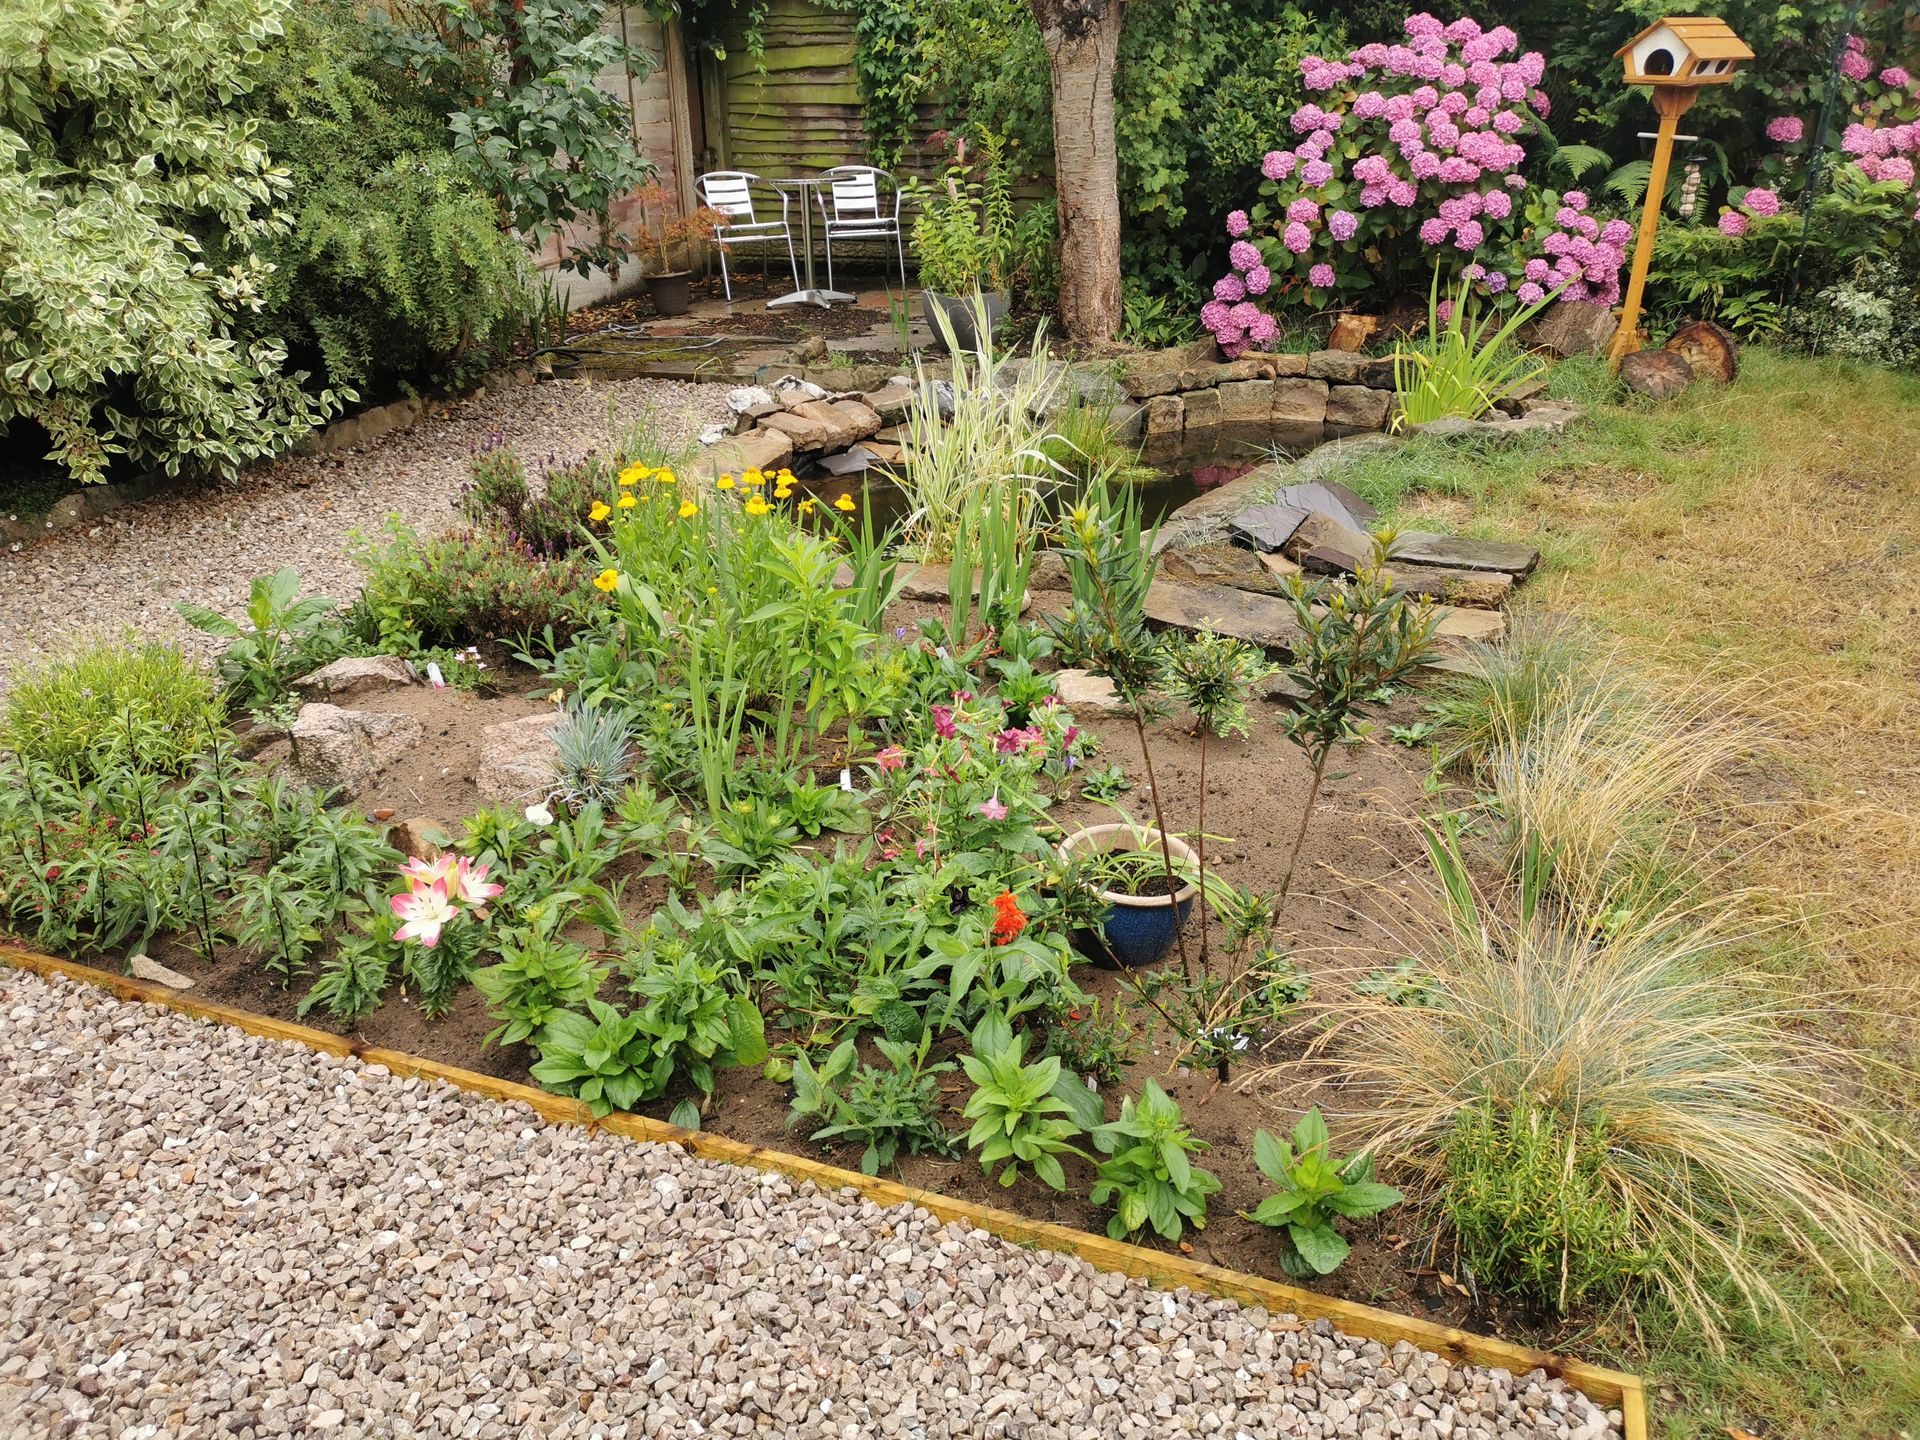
x=693, y=1018
x=1530, y=1204
x=1315, y=1190
x=1017, y=1118
x=1150, y=1177
x=110, y=702
x=1405, y=984
x=603, y=1058
x=1092, y=1040
x=355, y=977
x=538, y=975
x=884, y=1110
x=280, y=639
x=963, y=230
x=1462, y=364
x=1106, y=782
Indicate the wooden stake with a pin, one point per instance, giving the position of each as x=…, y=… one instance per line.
x=1671, y=101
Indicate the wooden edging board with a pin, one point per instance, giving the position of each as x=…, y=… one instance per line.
x=1610, y=1388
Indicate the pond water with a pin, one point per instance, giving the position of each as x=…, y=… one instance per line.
x=1176, y=478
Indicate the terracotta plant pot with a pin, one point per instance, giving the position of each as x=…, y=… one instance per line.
x=672, y=292
x=1138, y=930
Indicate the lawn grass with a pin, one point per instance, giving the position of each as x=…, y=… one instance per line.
x=1766, y=535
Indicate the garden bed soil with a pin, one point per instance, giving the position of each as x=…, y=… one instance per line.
x=1344, y=899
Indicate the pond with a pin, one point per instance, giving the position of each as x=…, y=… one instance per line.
x=1174, y=477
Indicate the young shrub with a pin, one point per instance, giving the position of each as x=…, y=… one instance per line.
x=281, y=638
x=111, y=702
x=1357, y=638
x=1530, y=1204
x=1728, y=1134
x=1315, y=1190
x=1150, y=1178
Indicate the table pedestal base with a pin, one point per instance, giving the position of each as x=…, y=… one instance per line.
x=823, y=298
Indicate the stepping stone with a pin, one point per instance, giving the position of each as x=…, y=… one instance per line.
x=1461, y=625
x=1267, y=528
x=1217, y=565
x=1085, y=693
x=1482, y=589
x=1424, y=547
x=1258, y=619
x=1328, y=545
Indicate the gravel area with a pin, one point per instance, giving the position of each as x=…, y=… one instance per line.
x=204, y=1233
x=134, y=565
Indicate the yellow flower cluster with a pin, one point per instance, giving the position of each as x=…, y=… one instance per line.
x=753, y=481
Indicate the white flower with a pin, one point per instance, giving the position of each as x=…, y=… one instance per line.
x=538, y=813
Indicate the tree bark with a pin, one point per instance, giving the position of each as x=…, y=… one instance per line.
x=1083, y=47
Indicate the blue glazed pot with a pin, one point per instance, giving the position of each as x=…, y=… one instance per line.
x=1139, y=930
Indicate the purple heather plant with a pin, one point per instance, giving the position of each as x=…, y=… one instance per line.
x=1427, y=152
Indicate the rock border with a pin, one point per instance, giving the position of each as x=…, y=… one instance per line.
x=1610, y=1389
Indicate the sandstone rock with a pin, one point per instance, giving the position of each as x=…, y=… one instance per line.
x=1576, y=327
x=1299, y=402
x=1202, y=410
x=801, y=432
x=1358, y=407
x=1246, y=402
x=419, y=838
x=1325, y=543
x=344, y=749
x=1166, y=415
x=1085, y=693
x=864, y=419
x=1264, y=620
x=752, y=401
x=1281, y=364
x=1351, y=332
x=840, y=427
x=1279, y=566
x=1482, y=625
x=145, y=967
x=1216, y=565
x=1481, y=589
x=355, y=677
x=891, y=402
x=1344, y=368
x=516, y=761
x=1049, y=572
x=1661, y=374
x=810, y=350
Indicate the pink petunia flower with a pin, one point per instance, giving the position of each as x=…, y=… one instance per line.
x=891, y=758
x=992, y=808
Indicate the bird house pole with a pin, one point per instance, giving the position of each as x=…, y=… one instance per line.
x=1671, y=101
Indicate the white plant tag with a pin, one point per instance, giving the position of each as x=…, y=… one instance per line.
x=846, y=779
x=438, y=680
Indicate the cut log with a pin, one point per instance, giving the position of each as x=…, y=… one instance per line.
x=1707, y=349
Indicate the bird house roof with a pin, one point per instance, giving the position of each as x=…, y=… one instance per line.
x=1706, y=36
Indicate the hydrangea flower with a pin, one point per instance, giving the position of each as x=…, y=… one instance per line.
x=1321, y=276
x=1342, y=224
x=1855, y=65
x=1785, y=129
x=1895, y=77
x=1237, y=223
x=1297, y=238
x=1761, y=201
x=1733, y=223
x=1229, y=288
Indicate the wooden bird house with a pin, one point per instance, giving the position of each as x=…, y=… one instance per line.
x=1685, y=50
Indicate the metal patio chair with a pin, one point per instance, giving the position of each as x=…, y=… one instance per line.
x=856, y=211
x=730, y=193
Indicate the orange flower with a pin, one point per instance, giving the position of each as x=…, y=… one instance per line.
x=1008, y=918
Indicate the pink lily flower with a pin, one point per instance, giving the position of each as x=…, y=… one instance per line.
x=425, y=912
x=469, y=883
x=420, y=874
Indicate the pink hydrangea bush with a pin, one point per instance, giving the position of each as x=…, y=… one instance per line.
x=1875, y=148
x=1411, y=154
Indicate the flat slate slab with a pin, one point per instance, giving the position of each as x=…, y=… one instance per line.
x=1424, y=547
x=1267, y=528
x=1258, y=619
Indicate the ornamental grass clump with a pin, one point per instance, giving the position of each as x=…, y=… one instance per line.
x=1411, y=153
x=1711, y=1134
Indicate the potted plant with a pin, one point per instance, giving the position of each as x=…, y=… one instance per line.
x=962, y=239
x=1146, y=906
x=674, y=245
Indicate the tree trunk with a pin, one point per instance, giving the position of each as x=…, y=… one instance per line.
x=1083, y=45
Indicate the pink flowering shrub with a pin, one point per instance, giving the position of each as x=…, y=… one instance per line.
x=1873, y=149
x=1409, y=155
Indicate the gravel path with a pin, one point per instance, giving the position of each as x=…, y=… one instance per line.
x=204, y=1233
x=134, y=565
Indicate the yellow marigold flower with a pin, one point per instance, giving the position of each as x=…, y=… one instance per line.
x=758, y=506
x=599, y=512
x=627, y=502
x=688, y=509
x=806, y=506
x=632, y=474
x=725, y=482
x=845, y=502
x=754, y=478
x=607, y=580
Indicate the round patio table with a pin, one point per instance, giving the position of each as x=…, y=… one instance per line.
x=803, y=187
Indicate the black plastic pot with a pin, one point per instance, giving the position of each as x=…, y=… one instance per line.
x=958, y=310
x=672, y=292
